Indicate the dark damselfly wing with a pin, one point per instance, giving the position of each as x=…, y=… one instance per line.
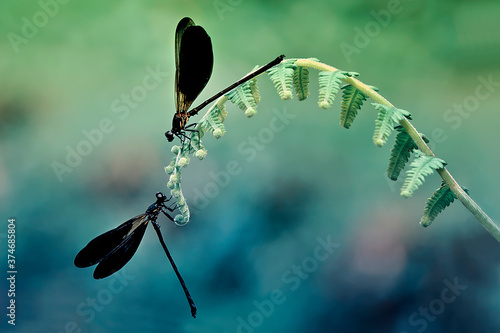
x=113, y=249
x=193, y=62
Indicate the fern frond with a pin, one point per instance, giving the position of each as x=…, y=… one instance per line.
x=246, y=97
x=400, y=153
x=282, y=77
x=301, y=82
x=255, y=90
x=212, y=122
x=388, y=117
x=352, y=99
x=329, y=85
x=181, y=160
x=442, y=198
x=422, y=166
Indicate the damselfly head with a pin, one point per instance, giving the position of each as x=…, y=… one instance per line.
x=160, y=197
x=170, y=136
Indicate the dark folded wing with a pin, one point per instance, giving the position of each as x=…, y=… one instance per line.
x=113, y=249
x=193, y=62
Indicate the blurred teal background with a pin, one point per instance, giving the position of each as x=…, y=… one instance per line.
x=252, y=256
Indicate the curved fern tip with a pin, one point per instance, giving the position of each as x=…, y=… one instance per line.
x=250, y=112
x=175, y=178
x=425, y=222
x=323, y=104
x=379, y=142
x=200, y=154
x=287, y=95
x=169, y=169
x=183, y=162
x=406, y=194
x=180, y=220
x=175, y=149
x=218, y=133
x=184, y=210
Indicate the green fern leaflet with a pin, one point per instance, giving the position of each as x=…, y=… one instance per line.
x=400, y=153
x=442, y=198
x=255, y=91
x=282, y=78
x=246, y=97
x=329, y=86
x=421, y=167
x=301, y=82
x=352, y=99
x=388, y=117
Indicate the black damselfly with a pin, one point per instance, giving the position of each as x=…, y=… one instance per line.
x=193, y=67
x=113, y=249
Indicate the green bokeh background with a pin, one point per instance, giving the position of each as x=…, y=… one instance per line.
x=311, y=180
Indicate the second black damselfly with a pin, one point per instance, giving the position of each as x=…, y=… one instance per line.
x=193, y=67
x=113, y=249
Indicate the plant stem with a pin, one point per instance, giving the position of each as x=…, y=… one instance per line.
x=466, y=200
